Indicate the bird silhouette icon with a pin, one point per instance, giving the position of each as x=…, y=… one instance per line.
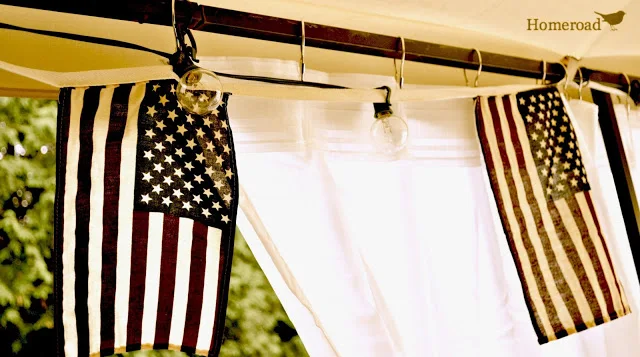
x=612, y=19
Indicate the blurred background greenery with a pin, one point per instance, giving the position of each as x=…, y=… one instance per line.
x=256, y=324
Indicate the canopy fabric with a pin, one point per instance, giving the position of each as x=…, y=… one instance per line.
x=495, y=26
x=406, y=257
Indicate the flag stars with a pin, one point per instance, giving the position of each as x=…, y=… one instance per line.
x=148, y=155
x=198, y=179
x=145, y=199
x=541, y=97
x=210, y=146
x=532, y=99
x=191, y=144
x=563, y=129
x=574, y=182
x=151, y=110
x=197, y=199
x=225, y=218
x=227, y=198
x=207, y=122
x=529, y=118
x=180, y=152
x=150, y=133
x=157, y=167
x=163, y=100
x=181, y=129
x=228, y=173
x=188, y=185
x=199, y=157
x=207, y=192
x=169, y=159
x=178, y=173
x=216, y=206
x=172, y=114
x=146, y=176
x=199, y=132
x=169, y=139
x=189, y=118
x=522, y=101
x=203, y=97
x=217, y=134
x=168, y=180
x=159, y=146
x=166, y=201
x=223, y=123
x=209, y=171
x=206, y=213
x=157, y=189
x=177, y=193
x=532, y=109
x=186, y=205
x=219, y=160
x=155, y=87
x=218, y=184
x=188, y=166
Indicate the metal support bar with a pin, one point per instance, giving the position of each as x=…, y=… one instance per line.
x=269, y=28
x=621, y=172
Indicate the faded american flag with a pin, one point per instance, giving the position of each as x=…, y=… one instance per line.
x=145, y=218
x=540, y=185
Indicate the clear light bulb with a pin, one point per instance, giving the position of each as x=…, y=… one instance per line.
x=389, y=134
x=199, y=91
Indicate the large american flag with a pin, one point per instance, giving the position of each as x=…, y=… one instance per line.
x=540, y=185
x=145, y=216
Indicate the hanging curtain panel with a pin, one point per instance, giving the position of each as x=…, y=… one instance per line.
x=145, y=219
x=543, y=195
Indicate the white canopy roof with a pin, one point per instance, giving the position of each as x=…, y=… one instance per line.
x=495, y=26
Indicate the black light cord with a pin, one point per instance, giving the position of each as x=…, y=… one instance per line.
x=122, y=44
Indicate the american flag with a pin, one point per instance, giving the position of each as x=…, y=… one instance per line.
x=542, y=193
x=145, y=218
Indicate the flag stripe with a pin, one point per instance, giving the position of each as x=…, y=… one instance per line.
x=125, y=217
x=152, y=280
x=179, y=310
x=555, y=247
x=619, y=298
x=139, y=248
x=69, y=237
x=87, y=117
x=170, y=231
x=111, y=184
x=224, y=269
x=531, y=289
x=590, y=257
x=532, y=241
x=196, y=285
x=210, y=293
x=100, y=129
x=64, y=118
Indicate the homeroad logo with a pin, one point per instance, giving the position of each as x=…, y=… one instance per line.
x=612, y=19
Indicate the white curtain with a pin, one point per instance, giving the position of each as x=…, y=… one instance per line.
x=404, y=256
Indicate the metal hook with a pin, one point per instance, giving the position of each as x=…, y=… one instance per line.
x=544, y=72
x=175, y=28
x=566, y=78
x=400, y=79
x=302, y=45
x=464, y=71
x=581, y=83
x=628, y=95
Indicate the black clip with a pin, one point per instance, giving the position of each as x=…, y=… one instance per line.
x=383, y=110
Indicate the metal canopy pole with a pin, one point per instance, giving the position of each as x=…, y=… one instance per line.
x=243, y=24
x=621, y=172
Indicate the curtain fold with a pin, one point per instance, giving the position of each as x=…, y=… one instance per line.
x=403, y=256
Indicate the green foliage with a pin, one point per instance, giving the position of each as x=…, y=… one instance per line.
x=27, y=185
x=256, y=322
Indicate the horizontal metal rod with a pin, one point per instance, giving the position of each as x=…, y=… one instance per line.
x=269, y=28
